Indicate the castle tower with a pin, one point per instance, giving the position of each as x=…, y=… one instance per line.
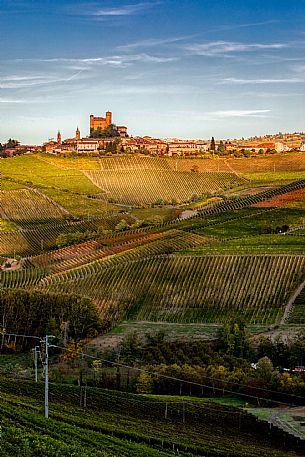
x=108, y=118
x=91, y=122
x=58, y=137
x=77, y=134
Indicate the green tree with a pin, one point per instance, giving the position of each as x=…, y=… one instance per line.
x=122, y=226
x=221, y=148
x=212, y=145
x=234, y=338
x=265, y=370
x=145, y=383
x=11, y=144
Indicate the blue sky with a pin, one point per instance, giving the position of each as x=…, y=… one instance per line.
x=186, y=68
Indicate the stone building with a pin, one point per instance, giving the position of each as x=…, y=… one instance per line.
x=100, y=123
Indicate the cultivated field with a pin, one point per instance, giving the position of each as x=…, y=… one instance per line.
x=118, y=424
x=136, y=187
x=184, y=289
x=226, y=257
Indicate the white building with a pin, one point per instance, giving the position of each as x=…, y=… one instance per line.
x=87, y=145
x=281, y=147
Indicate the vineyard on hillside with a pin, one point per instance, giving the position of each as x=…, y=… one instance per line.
x=134, y=163
x=202, y=268
x=185, y=289
x=136, y=186
x=146, y=244
x=119, y=424
x=35, y=239
x=29, y=204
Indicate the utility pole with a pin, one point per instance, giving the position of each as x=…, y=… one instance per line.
x=36, y=350
x=46, y=377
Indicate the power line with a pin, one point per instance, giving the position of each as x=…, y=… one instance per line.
x=21, y=336
x=193, y=383
x=41, y=339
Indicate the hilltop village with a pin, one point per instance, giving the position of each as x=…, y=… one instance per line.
x=107, y=137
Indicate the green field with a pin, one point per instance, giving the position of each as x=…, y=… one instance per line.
x=32, y=171
x=275, y=176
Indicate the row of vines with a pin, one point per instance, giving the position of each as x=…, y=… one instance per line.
x=186, y=289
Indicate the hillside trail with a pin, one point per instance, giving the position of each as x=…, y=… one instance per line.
x=291, y=302
x=62, y=167
x=234, y=171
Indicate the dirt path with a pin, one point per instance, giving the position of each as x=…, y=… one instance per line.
x=291, y=302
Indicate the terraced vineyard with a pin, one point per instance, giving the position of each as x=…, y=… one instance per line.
x=22, y=279
x=186, y=289
x=134, y=163
x=254, y=199
x=71, y=257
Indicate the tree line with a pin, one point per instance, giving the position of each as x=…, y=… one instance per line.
x=35, y=313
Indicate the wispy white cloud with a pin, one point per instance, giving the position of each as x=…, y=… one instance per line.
x=152, y=42
x=19, y=101
x=299, y=68
x=17, y=82
x=246, y=25
x=219, y=114
x=216, y=48
x=114, y=61
x=240, y=113
x=112, y=11
x=268, y=95
x=262, y=81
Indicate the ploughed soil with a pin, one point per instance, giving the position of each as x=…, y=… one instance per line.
x=281, y=201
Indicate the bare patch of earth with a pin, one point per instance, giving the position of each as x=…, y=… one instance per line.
x=253, y=190
x=284, y=200
x=11, y=265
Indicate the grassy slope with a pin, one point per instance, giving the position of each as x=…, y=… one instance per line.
x=29, y=169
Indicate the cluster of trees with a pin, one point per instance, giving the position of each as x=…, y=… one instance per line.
x=10, y=144
x=69, y=239
x=36, y=313
x=230, y=363
x=268, y=229
x=114, y=147
x=109, y=132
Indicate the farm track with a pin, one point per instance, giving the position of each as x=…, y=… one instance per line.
x=291, y=302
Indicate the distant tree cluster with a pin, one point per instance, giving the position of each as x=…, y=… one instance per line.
x=226, y=363
x=109, y=132
x=36, y=313
x=268, y=229
x=10, y=144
